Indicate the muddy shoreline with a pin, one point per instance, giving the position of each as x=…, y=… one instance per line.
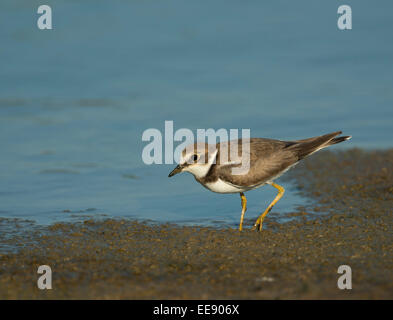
x=125, y=259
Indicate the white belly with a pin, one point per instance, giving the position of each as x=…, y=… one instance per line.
x=221, y=186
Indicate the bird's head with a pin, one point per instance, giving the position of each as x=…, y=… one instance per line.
x=196, y=158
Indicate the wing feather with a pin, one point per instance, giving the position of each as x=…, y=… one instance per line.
x=267, y=158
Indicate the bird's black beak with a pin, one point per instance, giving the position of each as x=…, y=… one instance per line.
x=178, y=169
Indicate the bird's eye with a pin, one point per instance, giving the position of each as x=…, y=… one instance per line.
x=195, y=157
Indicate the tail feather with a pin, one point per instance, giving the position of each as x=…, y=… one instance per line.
x=339, y=139
x=307, y=147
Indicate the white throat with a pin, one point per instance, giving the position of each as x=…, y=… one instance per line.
x=198, y=170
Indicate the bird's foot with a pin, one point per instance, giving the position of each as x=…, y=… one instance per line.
x=257, y=226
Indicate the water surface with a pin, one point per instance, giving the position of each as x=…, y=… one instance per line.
x=74, y=101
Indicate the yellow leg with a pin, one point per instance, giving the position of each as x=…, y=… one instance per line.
x=258, y=223
x=244, y=208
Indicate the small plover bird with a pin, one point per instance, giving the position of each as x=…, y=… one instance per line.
x=264, y=159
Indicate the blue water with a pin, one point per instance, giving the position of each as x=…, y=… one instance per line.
x=75, y=100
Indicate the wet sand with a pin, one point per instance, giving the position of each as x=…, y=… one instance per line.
x=348, y=222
